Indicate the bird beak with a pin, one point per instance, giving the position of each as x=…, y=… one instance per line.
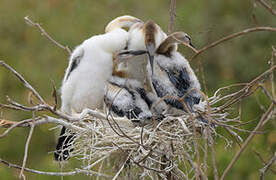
x=151, y=50
x=125, y=55
x=191, y=45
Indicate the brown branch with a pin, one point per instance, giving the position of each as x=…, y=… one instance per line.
x=266, y=168
x=268, y=7
x=249, y=138
x=44, y=33
x=70, y=173
x=25, y=83
x=6, y=123
x=172, y=16
x=231, y=36
x=26, y=151
x=263, y=161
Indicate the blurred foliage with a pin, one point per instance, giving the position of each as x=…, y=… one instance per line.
x=70, y=22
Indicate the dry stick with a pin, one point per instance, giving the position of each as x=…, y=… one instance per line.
x=249, y=138
x=269, y=8
x=70, y=173
x=213, y=152
x=25, y=83
x=172, y=16
x=264, y=169
x=243, y=32
x=205, y=149
x=16, y=124
x=44, y=33
x=244, y=92
x=26, y=151
x=263, y=161
x=121, y=169
x=272, y=73
x=40, y=121
x=6, y=123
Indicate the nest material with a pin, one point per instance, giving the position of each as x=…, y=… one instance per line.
x=157, y=148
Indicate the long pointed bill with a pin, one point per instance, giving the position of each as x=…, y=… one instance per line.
x=128, y=54
x=151, y=50
x=191, y=44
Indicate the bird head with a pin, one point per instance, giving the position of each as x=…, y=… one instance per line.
x=121, y=22
x=169, y=44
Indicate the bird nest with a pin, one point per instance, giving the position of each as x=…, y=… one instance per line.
x=155, y=150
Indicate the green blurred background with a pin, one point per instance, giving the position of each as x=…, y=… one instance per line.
x=71, y=22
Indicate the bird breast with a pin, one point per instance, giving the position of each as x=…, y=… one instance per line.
x=85, y=86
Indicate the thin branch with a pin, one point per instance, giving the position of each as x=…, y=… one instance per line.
x=25, y=83
x=121, y=169
x=263, y=161
x=231, y=36
x=268, y=7
x=26, y=151
x=172, y=16
x=264, y=169
x=249, y=138
x=70, y=173
x=44, y=33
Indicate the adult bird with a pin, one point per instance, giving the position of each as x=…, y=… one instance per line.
x=86, y=76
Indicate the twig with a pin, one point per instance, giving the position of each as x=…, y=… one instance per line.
x=25, y=83
x=250, y=137
x=44, y=33
x=269, y=8
x=70, y=173
x=263, y=161
x=172, y=16
x=231, y=36
x=40, y=121
x=264, y=169
x=15, y=124
x=26, y=152
x=121, y=169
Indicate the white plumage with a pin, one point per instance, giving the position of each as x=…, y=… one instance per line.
x=89, y=68
x=91, y=65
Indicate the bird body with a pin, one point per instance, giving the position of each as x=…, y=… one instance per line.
x=171, y=74
x=126, y=97
x=136, y=67
x=174, y=77
x=168, y=72
x=83, y=86
x=86, y=76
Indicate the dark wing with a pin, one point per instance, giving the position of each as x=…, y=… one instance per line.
x=180, y=79
x=74, y=62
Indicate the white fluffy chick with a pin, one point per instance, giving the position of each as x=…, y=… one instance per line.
x=89, y=68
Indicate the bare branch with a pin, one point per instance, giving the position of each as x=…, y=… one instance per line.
x=25, y=83
x=264, y=169
x=26, y=152
x=265, y=116
x=231, y=36
x=44, y=33
x=70, y=173
x=172, y=16
x=268, y=7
